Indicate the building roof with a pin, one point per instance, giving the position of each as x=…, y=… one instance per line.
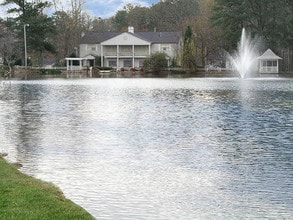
x=97, y=37
x=269, y=55
x=152, y=37
x=160, y=37
x=89, y=57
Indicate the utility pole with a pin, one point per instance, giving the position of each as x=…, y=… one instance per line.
x=25, y=49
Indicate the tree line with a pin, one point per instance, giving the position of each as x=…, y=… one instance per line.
x=208, y=26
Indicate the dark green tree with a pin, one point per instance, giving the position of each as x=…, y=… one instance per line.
x=188, y=56
x=270, y=19
x=120, y=21
x=188, y=34
x=138, y=18
x=172, y=14
x=163, y=16
x=40, y=30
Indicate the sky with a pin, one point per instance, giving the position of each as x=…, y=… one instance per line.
x=98, y=8
x=107, y=8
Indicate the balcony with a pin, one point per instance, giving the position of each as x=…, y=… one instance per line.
x=126, y=54
x=141, y=53
x=126, y=51
x=110, y=53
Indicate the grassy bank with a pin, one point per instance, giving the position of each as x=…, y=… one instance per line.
x=24, y=197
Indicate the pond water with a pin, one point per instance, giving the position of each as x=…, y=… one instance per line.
x=157, y=148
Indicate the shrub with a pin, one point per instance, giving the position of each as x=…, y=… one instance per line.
x=102, y=68
x=50, y=72
x=156, y=62
x=3, y=70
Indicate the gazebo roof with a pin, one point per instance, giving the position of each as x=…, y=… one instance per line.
x=269, y=55
x=73, y=58
x=89, y=57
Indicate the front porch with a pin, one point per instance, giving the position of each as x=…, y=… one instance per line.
x=119, y=56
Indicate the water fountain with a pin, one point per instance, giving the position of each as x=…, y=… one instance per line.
x=244, y=59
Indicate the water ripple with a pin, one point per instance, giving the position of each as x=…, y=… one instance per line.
x=157, y=148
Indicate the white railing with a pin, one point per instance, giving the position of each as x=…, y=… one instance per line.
x=125, y=53
x=110, y=53
x=141, y=53
x=268, y=69
x=74, y=68
x=43, y=67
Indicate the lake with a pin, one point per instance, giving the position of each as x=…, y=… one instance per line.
x=194, y=148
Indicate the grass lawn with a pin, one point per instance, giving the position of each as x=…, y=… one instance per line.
x=24, y=197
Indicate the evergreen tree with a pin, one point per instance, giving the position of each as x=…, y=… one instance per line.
x=120, y=20
x=270, y=19
x=40, y=30
x=188, y=57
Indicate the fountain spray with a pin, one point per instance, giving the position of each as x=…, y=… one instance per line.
x=244, y=59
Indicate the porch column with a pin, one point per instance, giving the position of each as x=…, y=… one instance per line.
x=149, y=50
x=80, y=64
x=67, y=64
x=260, y=66
x=133, y=56
x=117, y=60
x=102, y=55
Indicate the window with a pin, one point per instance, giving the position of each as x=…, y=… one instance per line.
x=91, y=47
x=269, y=63
x=112, y=63
x=165, y=47
x=127, y=63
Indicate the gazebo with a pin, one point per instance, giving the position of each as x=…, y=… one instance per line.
x=73, y=63
x=76, y=63
x=269, y=62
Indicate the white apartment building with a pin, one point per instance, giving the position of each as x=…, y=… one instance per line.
x=128, y=49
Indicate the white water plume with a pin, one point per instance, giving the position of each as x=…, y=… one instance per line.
x=244, y=60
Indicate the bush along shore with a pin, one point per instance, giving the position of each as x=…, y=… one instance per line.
x=24, y=197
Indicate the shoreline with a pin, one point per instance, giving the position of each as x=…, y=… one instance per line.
x=26, y=197
x=24, y=74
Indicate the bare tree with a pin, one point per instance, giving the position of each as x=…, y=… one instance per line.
x=9, y=47
x=70, y=21
x=206, y=37
x=102, y=25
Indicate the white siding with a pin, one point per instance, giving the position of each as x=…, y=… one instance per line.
x=125, y=39
x=86, y=49
x=169, y=49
